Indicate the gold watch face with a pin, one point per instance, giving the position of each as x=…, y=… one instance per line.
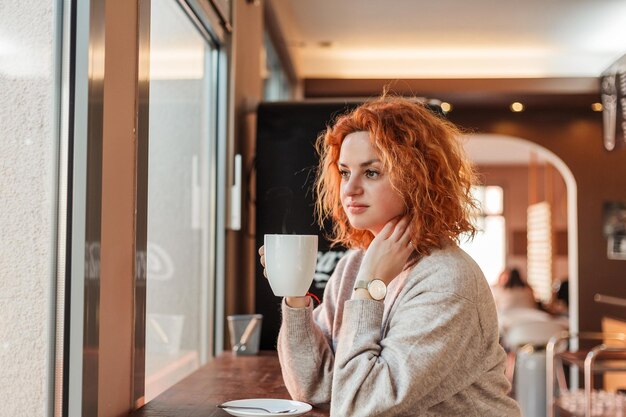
x=377, y=289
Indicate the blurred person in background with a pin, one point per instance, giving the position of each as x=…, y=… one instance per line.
x=512, y=291
x=559, y=304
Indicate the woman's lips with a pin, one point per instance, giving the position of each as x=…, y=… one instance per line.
x=356, y=208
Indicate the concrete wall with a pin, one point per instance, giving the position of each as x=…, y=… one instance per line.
x=28, y=143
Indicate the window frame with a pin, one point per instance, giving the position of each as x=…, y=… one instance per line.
x=81, y=351
x=208, y=336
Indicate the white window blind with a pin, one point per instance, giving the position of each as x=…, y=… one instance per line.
x=539, y=266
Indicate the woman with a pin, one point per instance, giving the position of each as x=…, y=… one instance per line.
x=407, y=326
x=512, y=292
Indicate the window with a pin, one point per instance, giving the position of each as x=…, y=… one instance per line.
x=275, y=81
x=181, y=197
x=488, y=248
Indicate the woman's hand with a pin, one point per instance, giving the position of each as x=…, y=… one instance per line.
x=387, y=254
x=295, y=302
x=262, y=255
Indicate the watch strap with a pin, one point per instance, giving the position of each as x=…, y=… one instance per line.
x=366, y=285
x=361, y=284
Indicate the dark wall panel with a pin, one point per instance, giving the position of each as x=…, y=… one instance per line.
x=286, y=166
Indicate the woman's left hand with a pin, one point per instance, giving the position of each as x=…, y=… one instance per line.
x=387, y=254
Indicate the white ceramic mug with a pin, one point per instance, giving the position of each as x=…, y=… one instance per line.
x=290, y=262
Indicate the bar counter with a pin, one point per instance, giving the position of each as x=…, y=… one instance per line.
x=224, y=378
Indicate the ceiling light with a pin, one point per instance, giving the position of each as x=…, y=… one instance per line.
x=517, y=107
x=446, y=107
x=597, y=107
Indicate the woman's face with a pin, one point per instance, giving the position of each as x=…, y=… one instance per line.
x=367, y=196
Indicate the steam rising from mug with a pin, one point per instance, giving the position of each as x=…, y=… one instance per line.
x=290, y=262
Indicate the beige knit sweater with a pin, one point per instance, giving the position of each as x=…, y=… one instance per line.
x=431, y=349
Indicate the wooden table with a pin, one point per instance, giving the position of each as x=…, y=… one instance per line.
x=224, y=378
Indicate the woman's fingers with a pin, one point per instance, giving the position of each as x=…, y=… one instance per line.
x=400, y=229
x=262, y=255
x=406, y=235
x=387, y=230
x=402, y=235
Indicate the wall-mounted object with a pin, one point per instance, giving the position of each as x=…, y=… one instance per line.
x=613, y=90
x=614, y=229
x=616, y=247
x=235, y=197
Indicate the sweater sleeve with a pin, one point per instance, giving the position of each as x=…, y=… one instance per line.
x=407, y=371
x=305, y=345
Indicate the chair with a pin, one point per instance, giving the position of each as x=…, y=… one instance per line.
x=526, y=362
x=535, y=334
x=515, y=316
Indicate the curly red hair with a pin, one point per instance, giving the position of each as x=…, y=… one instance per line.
x=425, y=162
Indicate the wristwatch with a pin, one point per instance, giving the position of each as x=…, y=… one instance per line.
x=376, y=287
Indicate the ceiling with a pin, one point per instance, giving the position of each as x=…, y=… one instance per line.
x=564, y=44
x=452, y=38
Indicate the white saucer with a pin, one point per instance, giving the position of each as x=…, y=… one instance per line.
x=268, y=403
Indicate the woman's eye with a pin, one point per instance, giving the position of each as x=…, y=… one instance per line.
x=344, y=174
x=371, y=174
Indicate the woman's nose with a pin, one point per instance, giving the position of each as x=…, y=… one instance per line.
x=352, y=186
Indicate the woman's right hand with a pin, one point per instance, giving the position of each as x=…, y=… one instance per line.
x=388, y=253
x=295, y=302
